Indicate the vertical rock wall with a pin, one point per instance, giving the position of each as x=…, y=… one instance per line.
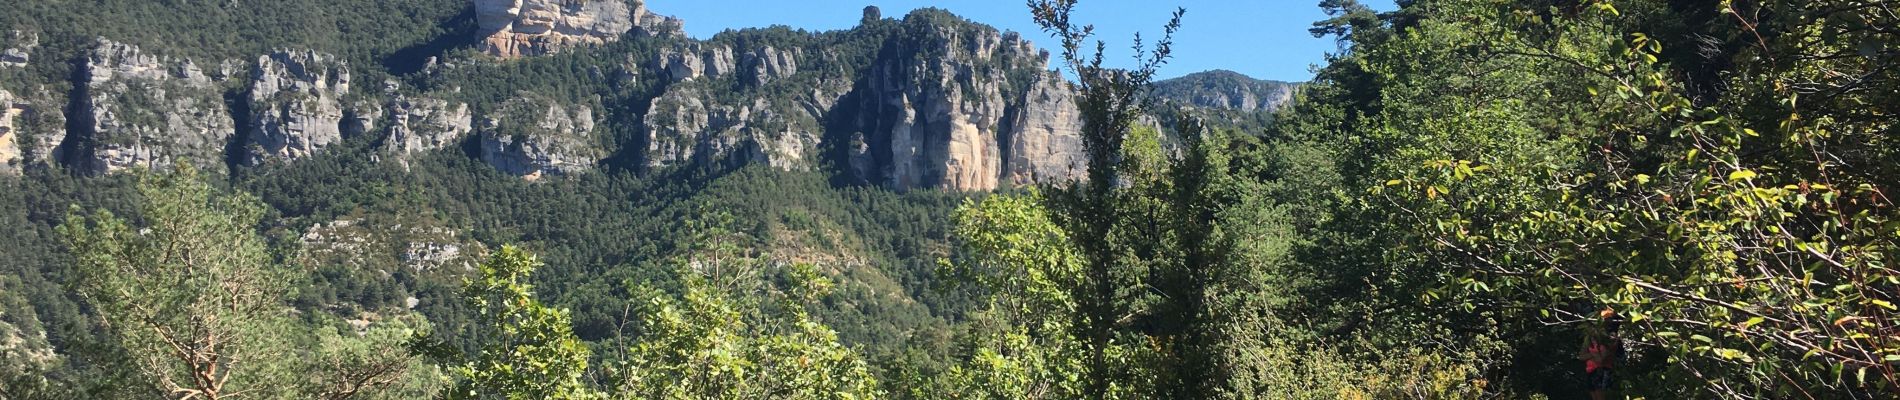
x=519, y=28
x=148, y=111
x=534, y=138
x=297, y=106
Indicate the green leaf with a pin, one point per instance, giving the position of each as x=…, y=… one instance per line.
x=1742, y=175
x=1882, y=303
x=1753, y=321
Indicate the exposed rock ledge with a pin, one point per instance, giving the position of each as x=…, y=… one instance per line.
x=298, y=106
x=520, y=28
x=534, y=138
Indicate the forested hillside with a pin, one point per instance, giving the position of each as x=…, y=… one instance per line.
x=554, y=199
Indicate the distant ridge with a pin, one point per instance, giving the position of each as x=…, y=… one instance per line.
x=1224, y=89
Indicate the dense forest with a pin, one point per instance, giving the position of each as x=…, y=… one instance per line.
x=1556, y=199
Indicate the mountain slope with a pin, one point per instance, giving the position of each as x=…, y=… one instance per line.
x=1223, y=89
x=594, y=135
x=554, y=89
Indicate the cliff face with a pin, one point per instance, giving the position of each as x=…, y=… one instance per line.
x=419, y=125
x=518, y=28
x=932, y=101
x=534, y=138
x=1045, y=135
x=142, y=110
x=692, y=61
x=12, y=158
x=683, y=128
x=29, y=131
x=964, y=108
x=16, y=48
x=945, y=103
x=297, y=106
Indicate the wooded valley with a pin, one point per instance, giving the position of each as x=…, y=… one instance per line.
x=357, y=199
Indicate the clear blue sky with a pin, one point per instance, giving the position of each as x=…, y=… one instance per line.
x=1266, y=39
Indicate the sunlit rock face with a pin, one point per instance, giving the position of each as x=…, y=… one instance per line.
x=950, y=105
x=12, y=158
x=968, y=109
x=420, y=125
x=536, y=138
x=140, y=110
x=522, y=28
x=298, y=106
x=31, y=129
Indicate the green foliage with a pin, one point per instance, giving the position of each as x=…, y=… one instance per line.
x=193, y=299
x=1110, y=289
x=703, y=345
x=1704, y=172
x=368, y=362
x=367, y=33
x=1442, y=213
x=739, y=329
x=192, y=295
x=24, y=352
x=530, y=351
x=1024, y=344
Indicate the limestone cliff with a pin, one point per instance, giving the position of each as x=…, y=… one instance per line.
x=766, y=64
x=692, y=61
x=931, y=101
x=421, y=124
x=685, y=126
x=298, y=108
x=946, y=106
x=12, y=157
x=16, y=48
x=31, y=128
x=1044, y=136
x=141, y=110
x=533, y=137
x=518, y=28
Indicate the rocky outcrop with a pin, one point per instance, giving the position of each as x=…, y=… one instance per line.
x=298, y=106
x=418, y=125
x=957, y=106
x=676, y=125
x=1045, y=135
x=766, y=64
x=12, y=156
x=648, y=24
x=533, y=138
x=17, y=49
x=518, y=28
x=1222, y=89
x=142, y=110
x=31, y=128
x=386, y=242
x=943, y=112
x=693, y=61
x=686, y=125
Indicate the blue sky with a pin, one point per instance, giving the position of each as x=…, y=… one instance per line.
x=1265, y=39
